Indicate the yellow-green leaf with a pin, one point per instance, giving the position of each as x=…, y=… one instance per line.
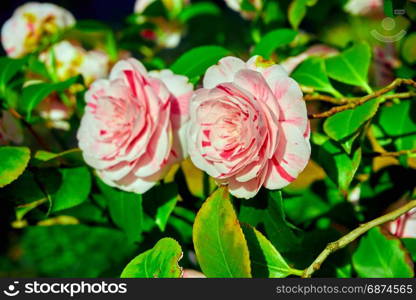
x=219, y=242
x=12, y=163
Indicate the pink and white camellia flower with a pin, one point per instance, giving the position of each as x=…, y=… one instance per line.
x=249, y=126
x=71, y=60
x=404, y=226
x=131, y=130
x=30, y=24
x=364, y=7
x=166, y=33
x=237, y=6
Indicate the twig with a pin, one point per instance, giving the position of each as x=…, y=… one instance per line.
x=341, y=101
x=29, y=127
x=391, y=154
x=360, y=101
x=350, y=237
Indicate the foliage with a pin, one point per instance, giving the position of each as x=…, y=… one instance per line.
x=62, y=220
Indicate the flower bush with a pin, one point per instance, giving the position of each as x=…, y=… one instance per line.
x=210, y=139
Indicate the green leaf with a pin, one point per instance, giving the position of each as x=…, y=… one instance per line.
x=297, y=11
x=219, y=242
x=33, y=94
x=196, y=61
x=278, y=230
x=266, y=261
x=12, y=163
x=409, y=48
x=344, y=124
x=91, y=26
x=388, y=8
x=312, y=73
x=410, y=245
x=8, y=68
x=159, y=203
x=126, y=210
x=198, y=9
x=339, y=166
x=73, y=251
x=351, y=66
x=305, y=206
x=159, y=262
x=344, y=271
x=397, y=121
x=273, y=13
x=267, y=209
x=273, y=40
x=380, y=256
x=75, y=188
x=71, y=157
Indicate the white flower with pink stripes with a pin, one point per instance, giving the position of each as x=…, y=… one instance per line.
x=132, y=129
x=31, y=24
x=249, y=126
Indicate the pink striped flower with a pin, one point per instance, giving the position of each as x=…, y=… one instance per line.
x=31, y=24
x=134, y=124
x=404, y=226
x=249, y=126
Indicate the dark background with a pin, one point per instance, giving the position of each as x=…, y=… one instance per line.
x=110, y=11
x=113, y=11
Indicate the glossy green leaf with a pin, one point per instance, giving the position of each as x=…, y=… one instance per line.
x=74, y=189
x=159, y=203
x=305, y=207
x=410, y=245
x=74, y=251
x=351, y=66
x=380, y=256
x=297, y=11
x=219, y=242
x=278, y=230
x=398, y=122
x=33, y=94
x=338, y=165
x=72, y=157
x=126, y=210
x=198, y=9
x=8, y=68
x=409, y=48
x=344, y=124
x=273, y=40
x=344, y=271
x=196, y=61
x=267, y=209
x=159, y=262
x=312, y=73
x=273, y=12
x=12, y=163
x=266, y=261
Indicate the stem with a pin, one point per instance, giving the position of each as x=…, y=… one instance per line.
x=353, y=235
x=392, y=154
x=340, y=101
x=296, y=272
x=354, y=102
